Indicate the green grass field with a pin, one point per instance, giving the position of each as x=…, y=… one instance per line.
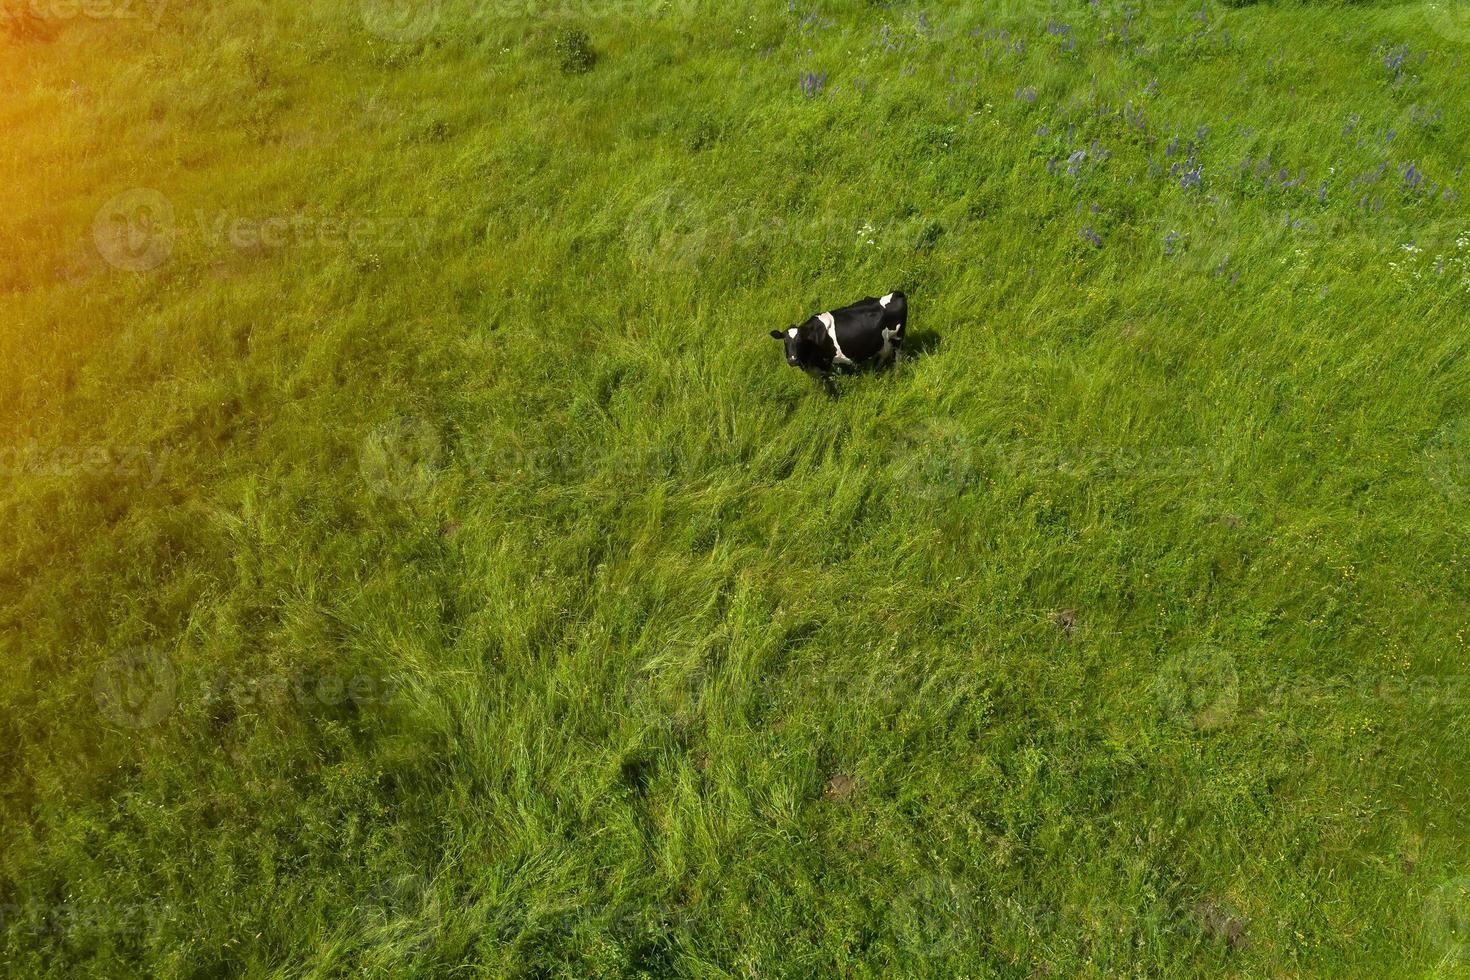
x=417, y=560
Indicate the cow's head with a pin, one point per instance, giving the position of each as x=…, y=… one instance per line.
x=799, y=349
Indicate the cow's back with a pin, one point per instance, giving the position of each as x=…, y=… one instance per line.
x=869, y=327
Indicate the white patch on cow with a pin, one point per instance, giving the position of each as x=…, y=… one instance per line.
x=830, y=322
x=791, y=333
x=886, y=300
x=888, y=334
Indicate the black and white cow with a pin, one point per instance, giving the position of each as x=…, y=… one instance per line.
x=871, y=328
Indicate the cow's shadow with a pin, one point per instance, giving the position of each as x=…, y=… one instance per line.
x=916, y=344
x=920, y=343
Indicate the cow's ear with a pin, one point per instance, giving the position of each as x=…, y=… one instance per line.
x=778, y=334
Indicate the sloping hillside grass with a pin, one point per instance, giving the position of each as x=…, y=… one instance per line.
x=416, y=559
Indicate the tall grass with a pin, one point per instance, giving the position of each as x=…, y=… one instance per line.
x=417, y=557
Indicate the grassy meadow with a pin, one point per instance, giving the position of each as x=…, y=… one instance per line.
x=416, y=559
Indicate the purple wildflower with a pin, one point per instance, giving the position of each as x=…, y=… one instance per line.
x=812, y=83
x=1063, y=31
x=1394, y=59
x=1074, y=162
x=1091, y=236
